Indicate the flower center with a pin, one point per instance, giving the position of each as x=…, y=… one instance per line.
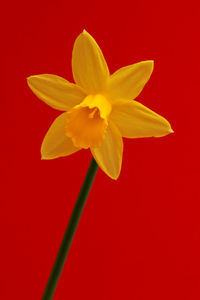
x=87, y=122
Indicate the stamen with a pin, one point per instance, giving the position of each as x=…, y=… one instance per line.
x=92, y=114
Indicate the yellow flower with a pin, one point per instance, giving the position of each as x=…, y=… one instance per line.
x=99, y=107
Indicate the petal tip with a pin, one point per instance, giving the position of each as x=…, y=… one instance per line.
x=28, y=78
x=85, y=34
x=151, y=63
x=115, y=178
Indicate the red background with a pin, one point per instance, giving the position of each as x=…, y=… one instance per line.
x=139, y=237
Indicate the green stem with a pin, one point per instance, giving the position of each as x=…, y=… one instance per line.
x=70, y=231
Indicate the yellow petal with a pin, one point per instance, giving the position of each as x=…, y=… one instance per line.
x=56, y=143
x=56, y=91
x=129, y=81
x=109, y=154
x=135, y=120
x=89, y=67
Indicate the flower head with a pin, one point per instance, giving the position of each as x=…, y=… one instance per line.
x=99, y=107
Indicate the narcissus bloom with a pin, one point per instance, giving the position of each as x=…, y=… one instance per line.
x=99, y=107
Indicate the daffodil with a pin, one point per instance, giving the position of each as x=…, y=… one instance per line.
x=99, y=108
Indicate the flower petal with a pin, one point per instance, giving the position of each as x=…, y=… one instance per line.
x=135, y=120
x=109, y=154
x=56, y=91
x=129, y=81
x=56, y=143
x=89, y=67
